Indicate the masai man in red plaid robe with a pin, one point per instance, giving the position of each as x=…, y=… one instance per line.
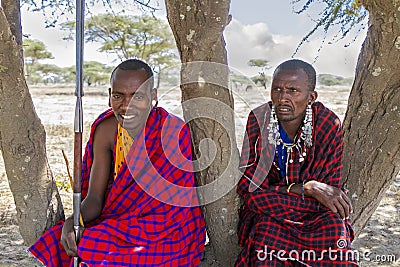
x=295, y=212
x=140, y=206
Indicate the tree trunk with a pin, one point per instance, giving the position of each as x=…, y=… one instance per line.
x=208, y=108
x=22, y=143
x=158, y=77
x=13, y=15
x=372, y=123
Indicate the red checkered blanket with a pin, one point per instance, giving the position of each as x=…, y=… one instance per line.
x=151, y=215
x=275, y=225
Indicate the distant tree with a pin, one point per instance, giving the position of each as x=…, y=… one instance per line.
x=163, y=62
x=171, y=76
x=263, y=64
x=34, y=51
x=96, y=73
x=69, y=74
x=46, y=73
x=330, y=80
x=144, y=37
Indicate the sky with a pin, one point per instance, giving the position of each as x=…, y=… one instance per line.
x=260, y=29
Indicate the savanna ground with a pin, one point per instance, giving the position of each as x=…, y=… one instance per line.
x=378, y=244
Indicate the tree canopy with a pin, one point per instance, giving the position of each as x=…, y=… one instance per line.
x=144, y=37
x=34, y=51
x=38, y=72
x=54, y=10
x=263, y=64
x=341, y=16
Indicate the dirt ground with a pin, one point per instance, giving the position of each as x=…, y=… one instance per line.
x=378, y=244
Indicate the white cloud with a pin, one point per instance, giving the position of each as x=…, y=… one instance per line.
x=245, y=42
x=63, y=51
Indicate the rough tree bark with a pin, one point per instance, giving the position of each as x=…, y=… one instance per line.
x=207, y=103
x=23, y=141
x=13, y=15
x=372, y=122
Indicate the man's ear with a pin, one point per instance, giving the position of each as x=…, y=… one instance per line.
x=154, y=96
x=313, y=97
x=109, y=97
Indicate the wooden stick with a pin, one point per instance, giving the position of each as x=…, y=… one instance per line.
x=67, y=164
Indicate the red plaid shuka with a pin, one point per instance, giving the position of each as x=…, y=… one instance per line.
x=151, y=215
x=274, y=227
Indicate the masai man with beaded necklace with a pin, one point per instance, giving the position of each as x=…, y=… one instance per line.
x=295, y=212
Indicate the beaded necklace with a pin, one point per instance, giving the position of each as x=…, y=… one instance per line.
x=285, y=149
x=284, y=146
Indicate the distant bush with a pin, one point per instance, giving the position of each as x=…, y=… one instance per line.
x=330, y=80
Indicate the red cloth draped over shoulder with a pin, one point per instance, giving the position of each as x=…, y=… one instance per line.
x=151, y=215
x=270, y=221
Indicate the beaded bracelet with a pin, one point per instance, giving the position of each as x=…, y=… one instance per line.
x=290, y=186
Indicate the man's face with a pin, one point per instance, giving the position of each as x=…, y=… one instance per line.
x=290, y=95
x=131, y=97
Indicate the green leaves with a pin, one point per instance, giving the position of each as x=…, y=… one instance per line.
x=35, y=50
x=53, y=10
x=261, y=63
x=338, y=16
x=144, y=37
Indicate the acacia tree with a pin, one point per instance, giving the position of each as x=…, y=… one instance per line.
x=372, y=123
x=46, y=73
x=95, y=73
x=208, y=108
x=263, y=64
x=34, y=51
x=145, y=37
x=22, y=136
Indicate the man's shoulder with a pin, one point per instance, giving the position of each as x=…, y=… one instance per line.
x=103, y=116
x=325, y=115
x=108, y=123
x=260, y=111
x=107, y=129
x=105, y=124
x=323, y=111
x=171, y=118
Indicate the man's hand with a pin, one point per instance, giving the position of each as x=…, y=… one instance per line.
x=68, y=237
x=331, y=197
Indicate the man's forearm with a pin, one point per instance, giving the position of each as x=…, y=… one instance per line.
x=91, y=209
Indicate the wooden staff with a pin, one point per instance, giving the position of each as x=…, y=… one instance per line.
x=78, y=122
